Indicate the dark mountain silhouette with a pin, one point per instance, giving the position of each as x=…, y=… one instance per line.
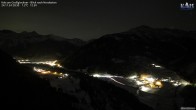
x=134, y=49
x=33, y=45
x=23, y=89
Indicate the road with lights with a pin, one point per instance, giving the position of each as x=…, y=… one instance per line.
x=50, y=63
x=47, y=73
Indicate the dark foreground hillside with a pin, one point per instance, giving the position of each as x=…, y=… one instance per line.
x=22, y=89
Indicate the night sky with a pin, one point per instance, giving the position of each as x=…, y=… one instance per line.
x=88, y=19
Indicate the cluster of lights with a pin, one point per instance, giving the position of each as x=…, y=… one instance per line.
x=63, y=76
x=50, y=63
x=45, y=72
x=26, y=60
x=146, y=82
x=175, y=82
x=157, y=66
x=42, y=71
x=150, y=81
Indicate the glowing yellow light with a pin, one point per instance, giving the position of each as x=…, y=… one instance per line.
x=55, y=73
x=45, y=72
x=158, y=83
x=143, y=77
x=152, y=85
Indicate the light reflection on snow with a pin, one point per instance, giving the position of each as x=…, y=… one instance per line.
x=105, y=75
x=97, y=75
